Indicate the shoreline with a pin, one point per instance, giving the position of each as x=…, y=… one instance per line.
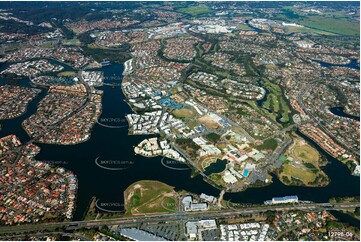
x=57, y=143
x=38, y=91
x=206, y=179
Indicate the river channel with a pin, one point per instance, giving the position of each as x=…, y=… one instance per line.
x=113, y=148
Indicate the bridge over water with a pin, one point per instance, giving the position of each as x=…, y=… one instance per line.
x=113, y=84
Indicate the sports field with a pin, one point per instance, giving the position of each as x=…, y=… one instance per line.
x=195, y=10
x=149, y=197
x=303, y=165
x=184, y=113
x=299, y=171
x=305, y=152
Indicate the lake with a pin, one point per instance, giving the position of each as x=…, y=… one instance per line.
x=114, y=146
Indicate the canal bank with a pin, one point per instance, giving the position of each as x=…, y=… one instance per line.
x=339, y=111
x=352, y=64
x=114, y=146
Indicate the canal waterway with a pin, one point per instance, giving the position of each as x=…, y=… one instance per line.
x=339, y=111
x=352, y=64
x=346, y=218
x=113, y=147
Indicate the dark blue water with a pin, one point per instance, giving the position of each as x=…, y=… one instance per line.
x=260, y=102
x=253, y=28
x=115, y=144
x=216, y=167
x=346, y=218
x=13, y=126
x=339, y=111
x=353, y=64
x=341, y=184
x=54, y=62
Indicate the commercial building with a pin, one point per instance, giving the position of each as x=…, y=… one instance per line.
x=280, y=200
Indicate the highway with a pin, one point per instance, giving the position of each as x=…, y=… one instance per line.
x=178, y=216
x=21, y=237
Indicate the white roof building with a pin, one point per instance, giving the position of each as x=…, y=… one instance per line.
x=229, y=178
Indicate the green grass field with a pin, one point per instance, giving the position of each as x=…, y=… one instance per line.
x=148, y=196
x=306, y=153
x=67, y=73
x=74, y=41
x=245, y=27
x=300, y=172
x=334, y=25
x=303, y=166
x=300, y=150
x=199, y=49
x=269, y=144
x=285, y=111
x=276, y=103
x=329, y=23
x=184, y=113
x=308, y=30
x=193, y=123
x=195, y=10
x=47, y=45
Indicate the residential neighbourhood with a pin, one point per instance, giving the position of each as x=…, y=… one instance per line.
x=233, y=121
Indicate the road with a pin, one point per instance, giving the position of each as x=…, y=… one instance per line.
x=314, y=119
x=49, y=128
x=18, y=150
x=21, y=237
x=260, y=173
x=188, y=159
x=273, y=159
x=271, y=162
x=282, y=131
x=114, y=84
x=178, y=216
x=57, y=124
